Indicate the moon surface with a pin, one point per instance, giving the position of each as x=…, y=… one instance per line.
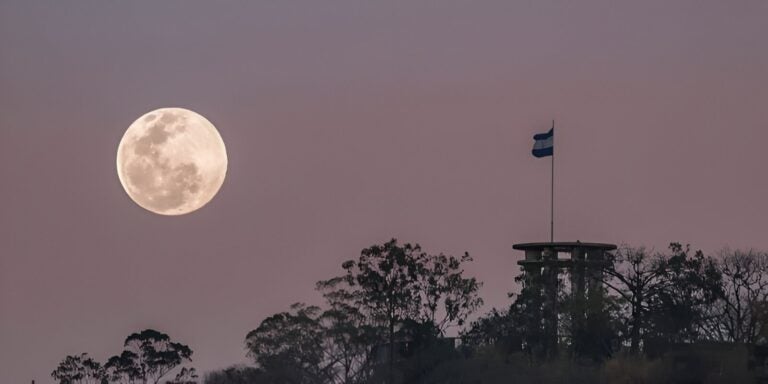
x=171, y=161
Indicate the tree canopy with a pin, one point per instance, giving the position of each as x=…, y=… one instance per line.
x=390, y=295
x=147, y=357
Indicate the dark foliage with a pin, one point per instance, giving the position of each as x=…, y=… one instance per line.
x=392, y=303
x=79, y=369
x=665, y=297
x=236, y=375
x=148, y=356
x=664, y=317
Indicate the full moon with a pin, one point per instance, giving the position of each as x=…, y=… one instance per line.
x=171, y=161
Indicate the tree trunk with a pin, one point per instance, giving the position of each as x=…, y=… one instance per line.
x=391, y=351
x=634, y=347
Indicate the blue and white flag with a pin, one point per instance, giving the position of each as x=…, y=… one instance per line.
x=545, y=144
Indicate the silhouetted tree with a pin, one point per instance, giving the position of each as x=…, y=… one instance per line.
x=527, y=315
x=391, y=283
x=307, y=345
x=637, y=277
x=79, y=369
x=148, y=356
x=122, y=368
x=741, y=312
x=289, y=346
x=666, y=295
x=391, y=292
x=350, y=341
x=384, y=284
x=449, y=297
x=693, y=284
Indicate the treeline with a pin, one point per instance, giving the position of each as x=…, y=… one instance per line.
x=672, y=316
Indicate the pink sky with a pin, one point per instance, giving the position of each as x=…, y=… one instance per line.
x=348, y=123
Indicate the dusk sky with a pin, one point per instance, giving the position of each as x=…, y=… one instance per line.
x=348, y=123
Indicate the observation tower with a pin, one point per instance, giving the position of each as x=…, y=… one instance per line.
x=542, y=265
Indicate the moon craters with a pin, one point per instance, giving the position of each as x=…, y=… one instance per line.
x=164, y=187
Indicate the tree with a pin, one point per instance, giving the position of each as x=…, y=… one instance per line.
x=692, y=285
x=449, y=297
x=123, y=369
x=740, y=314
x=349, y=340
x=79, y=369
x=185, y=376
x=288, y=346
x=392, y=283
x=666, y=295
x=637, y=277
x=307, y=345
x=148, y=356
x=497, y=329
x=384, y=284
x=391, y=293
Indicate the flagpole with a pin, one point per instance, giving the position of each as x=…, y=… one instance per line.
x=552, y=191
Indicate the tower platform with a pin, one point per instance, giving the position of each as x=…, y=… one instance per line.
x=548, y=253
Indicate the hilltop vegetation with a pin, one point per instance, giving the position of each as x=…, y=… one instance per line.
x=663, y=317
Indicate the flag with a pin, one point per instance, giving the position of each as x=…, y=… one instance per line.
x=544, y=144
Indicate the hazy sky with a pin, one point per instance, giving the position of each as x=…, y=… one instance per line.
x=346, y=124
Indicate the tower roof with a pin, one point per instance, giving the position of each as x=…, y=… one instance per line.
x=564, y=246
